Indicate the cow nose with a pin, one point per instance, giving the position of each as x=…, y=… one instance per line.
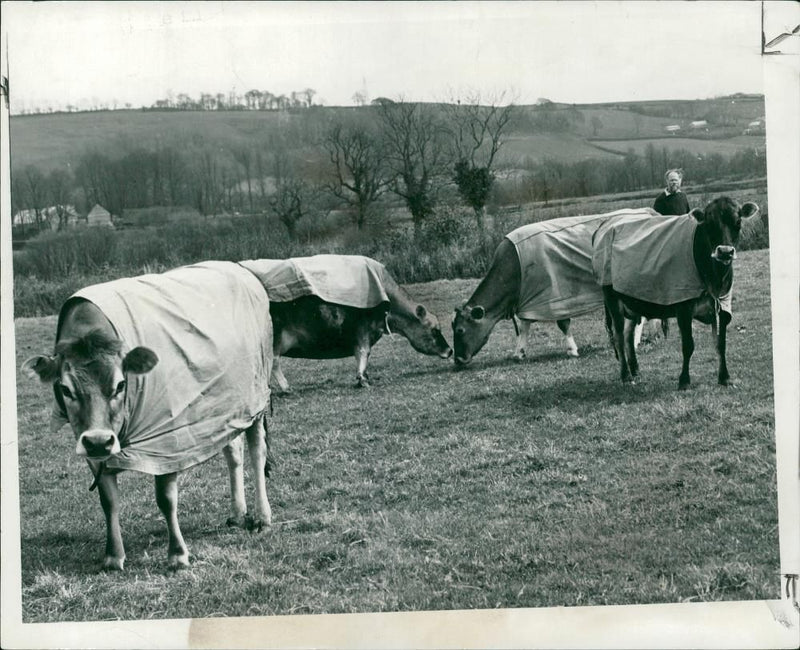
x=461, y=361
x=98, y=444
x=725, y=253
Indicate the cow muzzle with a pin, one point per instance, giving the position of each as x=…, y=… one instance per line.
x=724, y=254
x=97, y=444
x=461, y=361
x=446, y=354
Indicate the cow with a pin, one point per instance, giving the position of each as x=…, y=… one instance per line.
x=680, y=267
x=159, y=373
x=337, y=306
x=558, y=283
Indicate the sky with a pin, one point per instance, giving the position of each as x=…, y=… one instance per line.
x=579, y=52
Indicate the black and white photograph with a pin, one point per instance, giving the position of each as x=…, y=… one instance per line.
x=409, y=324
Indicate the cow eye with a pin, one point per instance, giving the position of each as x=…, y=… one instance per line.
x=120, y=388
x=66, y=392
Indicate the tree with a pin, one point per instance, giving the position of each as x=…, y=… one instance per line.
x=290, y=203
x=416, y=154
x=33, y=186
x=59, y=184
x=360, y=176
x=597, y=124
x=476, y=133
x=243, y=155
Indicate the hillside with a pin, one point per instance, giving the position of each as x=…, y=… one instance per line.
x=563, y=132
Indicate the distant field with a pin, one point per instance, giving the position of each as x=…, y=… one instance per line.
x=58, y=140
x=542, y=483
x=536, y=148
x=694, y=146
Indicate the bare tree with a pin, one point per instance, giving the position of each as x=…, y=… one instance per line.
x=59, y=184
x=243, y=155
x=290, y=203
x=360, y=175
x=476, y=130
x=416, y=155
x=34, y=187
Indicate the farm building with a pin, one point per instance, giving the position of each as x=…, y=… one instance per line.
x=700, y=124
x=672, y=128
x=99, y=216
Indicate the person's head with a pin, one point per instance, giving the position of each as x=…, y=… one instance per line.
x=673, y=178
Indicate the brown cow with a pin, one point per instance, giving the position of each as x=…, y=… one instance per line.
x=149, y=377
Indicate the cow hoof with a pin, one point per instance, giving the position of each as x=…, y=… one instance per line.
x=362, y=383
x=236, y=522
x=282, y=392
x=256, y=524
x=683, y=386
x=178, y=562
x=113, y=563
x=519, y=356
x=573, y=353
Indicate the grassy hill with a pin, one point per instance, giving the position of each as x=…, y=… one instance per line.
x=563, y=132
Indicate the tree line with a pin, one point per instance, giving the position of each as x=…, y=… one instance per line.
x=407, y=149
x=416, y=154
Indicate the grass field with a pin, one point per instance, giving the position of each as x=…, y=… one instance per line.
x=692, y=145
x=542, y=483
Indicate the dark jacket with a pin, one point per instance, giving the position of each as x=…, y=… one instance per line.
x=675, y=203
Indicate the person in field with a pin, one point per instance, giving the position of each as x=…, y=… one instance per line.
x=672, y=201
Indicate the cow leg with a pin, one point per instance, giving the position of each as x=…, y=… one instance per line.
x=167, y=500
x=629, y=335
x=610, y=331
x=234, y=457
x=687, y=345
x=572, y=349
x=257, y=448
x=361, y=354
x=614, y=307
x=722, y=376
x=637, y=333
x=522, y=339
x=278, y=378
x=114, y=559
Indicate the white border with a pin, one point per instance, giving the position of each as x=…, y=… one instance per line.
x=748, y=624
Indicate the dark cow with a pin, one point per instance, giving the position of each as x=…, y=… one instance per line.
x=95, y=376
x=311, y=328
x=712, y=248
x=560, y=283
x=495, y=299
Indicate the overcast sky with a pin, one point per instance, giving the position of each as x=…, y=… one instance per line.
x=583, y=52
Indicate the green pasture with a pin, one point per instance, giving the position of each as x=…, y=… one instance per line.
x=541, y=483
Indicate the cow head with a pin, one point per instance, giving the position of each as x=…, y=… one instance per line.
x=471, y=329
x=89, y=378
x=422, y=330
x=721, y=222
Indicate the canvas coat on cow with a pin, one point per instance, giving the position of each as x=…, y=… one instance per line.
x=671, y=266
x=210, y=326
x=336, y=306
x=540, y=272
x=651, y=260
x=159, y=373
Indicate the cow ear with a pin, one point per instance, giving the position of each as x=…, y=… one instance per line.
x=46, y=368
x=421, y=312
x=698, y=214
x=139, y=361
x=748, y=210
x=477, y=312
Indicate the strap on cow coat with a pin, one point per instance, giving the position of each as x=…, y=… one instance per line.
x=97, y=477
